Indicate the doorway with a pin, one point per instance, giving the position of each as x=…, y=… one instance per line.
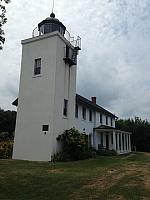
x=107, y=142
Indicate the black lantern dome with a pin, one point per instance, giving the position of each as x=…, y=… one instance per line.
x=51, y=24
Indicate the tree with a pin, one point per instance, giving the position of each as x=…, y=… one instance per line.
x=3, y=20
x=140, y=130
x=7, y=124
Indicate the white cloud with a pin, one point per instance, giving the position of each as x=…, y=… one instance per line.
x=114, y=63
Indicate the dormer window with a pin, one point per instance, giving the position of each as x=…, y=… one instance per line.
x=37, y=66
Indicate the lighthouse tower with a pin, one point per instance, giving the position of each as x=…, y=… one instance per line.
x=46, y=103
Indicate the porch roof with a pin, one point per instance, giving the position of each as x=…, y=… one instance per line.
x=109, y=129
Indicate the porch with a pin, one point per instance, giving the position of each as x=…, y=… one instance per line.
x=110, y=138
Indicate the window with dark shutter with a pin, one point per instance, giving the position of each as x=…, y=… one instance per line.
x=76, y=111
x=84, y=113
x=67, y=52
x=106, y=120
x=90, y=115
x=111, y=122
x=65, y=110
x=101, y=119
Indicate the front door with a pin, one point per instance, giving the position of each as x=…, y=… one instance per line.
x=107, y=142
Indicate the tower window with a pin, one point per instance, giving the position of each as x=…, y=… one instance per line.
x=65, y=111
x=67, y=51
x=84, y=113
x=90, y=115
x=76, y=111
x=37, y=66
x=45, y=128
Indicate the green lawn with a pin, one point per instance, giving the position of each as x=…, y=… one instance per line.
x=103, y=178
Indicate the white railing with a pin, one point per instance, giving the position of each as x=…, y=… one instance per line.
x=75, y=42
x=35, y=32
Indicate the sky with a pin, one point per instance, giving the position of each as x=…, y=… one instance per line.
x=114, y=63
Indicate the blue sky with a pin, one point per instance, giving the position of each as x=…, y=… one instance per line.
x=114, y=63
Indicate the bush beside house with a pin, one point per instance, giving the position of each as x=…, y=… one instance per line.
x=7, y=128
x=6, y=148
x=74, y=146
x=6, y=145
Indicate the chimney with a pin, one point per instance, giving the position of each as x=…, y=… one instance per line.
x=93, y=99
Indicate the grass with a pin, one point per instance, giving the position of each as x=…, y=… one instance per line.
x=103, y=178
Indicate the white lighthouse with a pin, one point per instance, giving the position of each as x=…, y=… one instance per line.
x=46, y=103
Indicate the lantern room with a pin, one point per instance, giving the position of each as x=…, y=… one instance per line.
x=51, y=24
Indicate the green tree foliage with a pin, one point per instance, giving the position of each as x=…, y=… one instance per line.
x=140, y=132
x=3, y=20
x=6, y=148
x=7, y=124
x=74, y=145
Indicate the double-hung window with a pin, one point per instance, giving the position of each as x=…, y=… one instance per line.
x=65, y=110
x=84, y=113
x=37, y=66
x=76, y=111
x=90, y=115
x=111, y=122
x=101, y=118
x=106, y=120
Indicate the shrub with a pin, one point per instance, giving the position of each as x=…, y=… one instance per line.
x=57, y=157
x=74, y=146
x=106, y=153
x=5, y=136
x=6, y=149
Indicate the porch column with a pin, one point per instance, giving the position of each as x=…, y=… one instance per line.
x=129, y=143
x=94, y=139
x=114, y=140
x=118, y=147
x=124, y=135
x=118, y=150
x=121, y=136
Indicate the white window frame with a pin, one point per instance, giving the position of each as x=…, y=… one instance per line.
x=37, y=66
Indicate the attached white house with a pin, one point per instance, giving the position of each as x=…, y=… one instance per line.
x=48, y=103
x=99, y=124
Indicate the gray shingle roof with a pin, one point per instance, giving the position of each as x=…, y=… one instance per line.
x=83, y=100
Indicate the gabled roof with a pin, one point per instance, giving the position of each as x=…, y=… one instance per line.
x=105, y=127
x=15, y=103
x=109, y=128
x=86, y=102
x=83, y=100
